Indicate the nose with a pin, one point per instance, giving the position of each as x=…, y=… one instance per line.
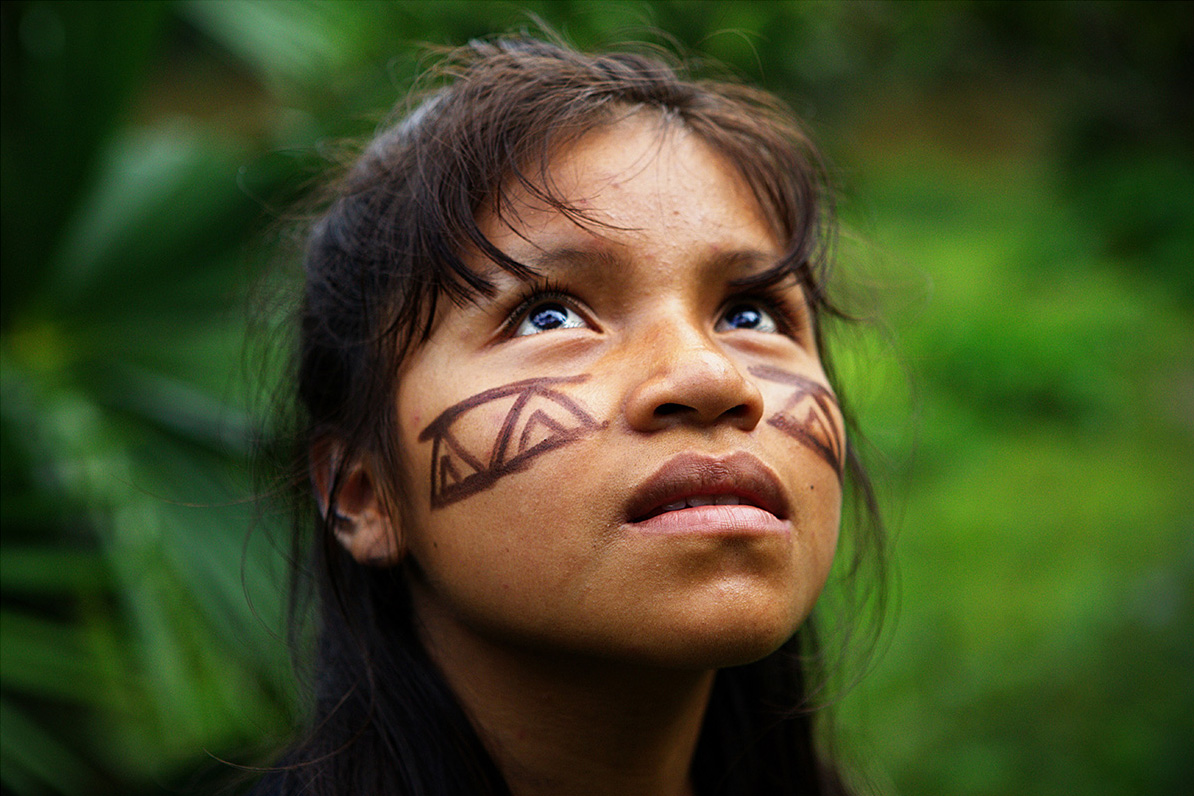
x=688, y=379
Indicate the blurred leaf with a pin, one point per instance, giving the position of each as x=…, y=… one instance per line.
x=55, y=573
x=64, y=89
x=288, y=42
x=34, y=759
x=165, y=205
x=47, y=659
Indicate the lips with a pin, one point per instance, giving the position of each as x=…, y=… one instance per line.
x=691, y=481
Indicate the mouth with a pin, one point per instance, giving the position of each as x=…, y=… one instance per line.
x=695, y=481
x=696, y=501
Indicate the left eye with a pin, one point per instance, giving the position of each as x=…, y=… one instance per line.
x=747, y=315
x=546, y=316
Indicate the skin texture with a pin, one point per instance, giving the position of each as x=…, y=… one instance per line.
x=539, y=420
x=582, y=639
x=810, y=416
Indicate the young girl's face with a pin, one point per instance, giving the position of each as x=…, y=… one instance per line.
x=629, y=457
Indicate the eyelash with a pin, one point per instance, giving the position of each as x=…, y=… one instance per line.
x=775, y=299
x=531, y=296
x=790, y=318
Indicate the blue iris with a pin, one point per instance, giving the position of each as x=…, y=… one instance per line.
x=548, y=316
x=743, y=317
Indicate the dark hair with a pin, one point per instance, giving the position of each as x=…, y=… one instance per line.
x=379, y=261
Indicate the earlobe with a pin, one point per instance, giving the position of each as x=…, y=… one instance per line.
x=361, y=520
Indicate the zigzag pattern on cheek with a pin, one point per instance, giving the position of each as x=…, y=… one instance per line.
x=539, y=419
x=818, y=429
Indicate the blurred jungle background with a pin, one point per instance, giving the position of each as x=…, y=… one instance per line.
x=1017, y=192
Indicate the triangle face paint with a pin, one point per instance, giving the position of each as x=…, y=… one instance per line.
x=819, y=430
x=540, y=419
x=538, y=432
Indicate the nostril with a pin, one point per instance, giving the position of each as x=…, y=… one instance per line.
x=700, y=390
x=667, y=410
x=741, y=410
x=672, y=409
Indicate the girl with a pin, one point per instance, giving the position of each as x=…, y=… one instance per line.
x=577, y=460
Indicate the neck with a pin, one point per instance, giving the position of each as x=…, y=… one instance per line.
x=574, y=726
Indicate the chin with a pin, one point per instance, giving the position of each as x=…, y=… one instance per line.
x=721, y=641
x=733, y=652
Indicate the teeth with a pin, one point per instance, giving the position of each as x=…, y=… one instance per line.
x=701, y=500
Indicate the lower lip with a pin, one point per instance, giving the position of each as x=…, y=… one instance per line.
x=714, y=521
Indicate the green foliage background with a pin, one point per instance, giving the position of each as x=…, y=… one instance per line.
x=1018, y=199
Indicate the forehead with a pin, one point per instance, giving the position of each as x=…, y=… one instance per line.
x=643, y=183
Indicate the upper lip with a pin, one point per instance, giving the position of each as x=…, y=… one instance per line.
x=691, y=474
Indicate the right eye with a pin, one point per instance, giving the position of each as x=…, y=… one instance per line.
x=545, y=316
x=749, y=315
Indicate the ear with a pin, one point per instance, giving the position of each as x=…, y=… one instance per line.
x=362, y=522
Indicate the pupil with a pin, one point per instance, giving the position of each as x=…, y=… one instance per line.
x=744, y=318
x=551, y=316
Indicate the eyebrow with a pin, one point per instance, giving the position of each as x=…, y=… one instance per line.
x=748, y=263
x=571, y=257
x=742, y=261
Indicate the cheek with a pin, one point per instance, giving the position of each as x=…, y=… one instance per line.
x=805, y=410
x=494, y=490
x=498, y=432
x=804, y=429
x=824, y=522
x=515, y=562
x=816, y=516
